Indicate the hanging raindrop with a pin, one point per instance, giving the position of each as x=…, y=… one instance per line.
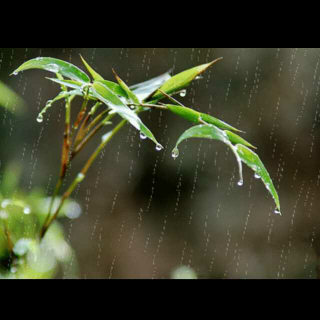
x=240, y=183
x=175, y=153
x=276, y=211
x=142, y=136
x=256, y=175
x=183, y=93
x=159, y=147
x=40, y=118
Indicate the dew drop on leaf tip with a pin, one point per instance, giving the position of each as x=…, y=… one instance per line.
x=143, y=136
x=257, y=176
x=278, y=212
x=183, y=93
x=40, y=118
x=175, y=153
x=240, y=183
x=159, y=147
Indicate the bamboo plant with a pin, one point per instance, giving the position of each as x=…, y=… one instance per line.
x=104, y=101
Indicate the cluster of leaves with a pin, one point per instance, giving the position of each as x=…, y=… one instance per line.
x=130, y=102
x=22, y=256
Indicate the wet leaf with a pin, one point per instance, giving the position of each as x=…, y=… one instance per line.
x=96, y=76
x=68, y=83
x=197, y=117
x=182, y=80
x=213, y=133
x=145, y=89
x=56, y=66
x=235, y=139
x=123, y=85
x=114, y=87
x=105, y=95
x=252, y=160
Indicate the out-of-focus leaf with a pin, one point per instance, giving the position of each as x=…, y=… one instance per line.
x=145, y=89
x=66, y=69
x=123, y=85
x=105, y=95
x=10, y=100
x=181, y=80
x=11, y=178
x=253, y=161
x=96, y=76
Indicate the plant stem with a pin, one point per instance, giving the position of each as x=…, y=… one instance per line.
x=82, y=175
x=64, y=157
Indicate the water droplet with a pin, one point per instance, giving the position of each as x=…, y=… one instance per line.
x=13, y=270
x=159, y=147
x=53, y=68
x=5, y=203
x=240, y=183
x=27, y=210
x=142, y=136
x=175, y=153
x=15, y=73
x=183, y=93
x=80, y=177
x=276, y=211
x=256, y=175
x=40, y=118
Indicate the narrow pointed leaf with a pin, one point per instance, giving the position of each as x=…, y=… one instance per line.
x=105, y=95
x=235, y=139
x=213, y=133
x=96, y=76
x=145, y=89
x=66, y=69
x=253, y=161
x=216, y=122
x=68, y=83
x=197, y=117
x=182, y=80
x=123, y=85
x=114, y=87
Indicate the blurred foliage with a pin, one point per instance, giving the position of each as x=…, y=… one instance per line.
x=10, y=100
x=21, y=217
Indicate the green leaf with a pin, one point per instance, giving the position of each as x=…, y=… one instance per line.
x=253, y=161
x=123, y=85
x=181, y=80
x=68, y=83
x=197, y=117
x=242, y=153
x=10, y=100
x=93, y=73
x=235, y=139
x=145, y=89
x=105, y=95
x=213, y=133
x=56, y=66
x=114, y=87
